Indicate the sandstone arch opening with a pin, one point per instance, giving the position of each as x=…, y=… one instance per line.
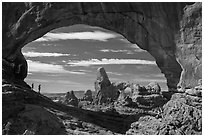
x=170, y=32
x=138, y=25
x=67, y=59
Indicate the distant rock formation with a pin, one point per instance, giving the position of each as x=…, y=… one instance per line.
x=106, y=92
x=102, y=80
x=122, y=85
x=153, y=88
x=125, y=89
x=150, y=101
x=87, y=96
x=148, y=96
x=122, y=96
x=139, y=90
x=71, y=99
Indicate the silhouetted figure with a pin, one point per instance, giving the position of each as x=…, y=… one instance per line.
x=32, y=86
x=39, y=88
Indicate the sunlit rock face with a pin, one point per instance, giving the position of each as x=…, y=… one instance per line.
x=170, y=32
x=189, y=46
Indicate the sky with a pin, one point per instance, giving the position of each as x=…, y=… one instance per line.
x=67, y=59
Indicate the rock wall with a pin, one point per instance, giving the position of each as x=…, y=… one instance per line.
x=189, y=45
x=168, y=31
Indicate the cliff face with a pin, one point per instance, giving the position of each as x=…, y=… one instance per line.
x=189, y=45
x=170, y=32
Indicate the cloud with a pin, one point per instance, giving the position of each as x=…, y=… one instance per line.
x=35, y=66
x=95, y=35
x=37, y=80
x=150, y=80
x=154, y=75
x=105, y=61
x=41, y=54
x=116, y=51
x=82, y=70
x=67, y=82
x=114, y=73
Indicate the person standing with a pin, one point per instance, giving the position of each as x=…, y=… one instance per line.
x=39, y=88
x=32, y=86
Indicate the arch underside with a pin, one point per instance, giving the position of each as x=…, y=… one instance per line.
x=144, y=24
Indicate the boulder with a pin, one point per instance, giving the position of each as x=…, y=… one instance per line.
x=147, y=125
x=153, y=88
x=122, y=85
x=182, y=115
x=71, y=99
x=125, y=90
x=87, y=96
x=122, y=96
x=139, y=90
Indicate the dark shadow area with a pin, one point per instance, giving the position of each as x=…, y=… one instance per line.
x=114, y=122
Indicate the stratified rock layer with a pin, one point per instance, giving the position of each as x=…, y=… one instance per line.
x=168, y=31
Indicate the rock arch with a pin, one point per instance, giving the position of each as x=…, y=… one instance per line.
x=154, y=27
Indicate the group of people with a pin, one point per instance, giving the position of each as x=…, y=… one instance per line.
x=39, y=87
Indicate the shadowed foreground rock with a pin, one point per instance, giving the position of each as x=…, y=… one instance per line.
x=182, y=115
x=34, y=120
